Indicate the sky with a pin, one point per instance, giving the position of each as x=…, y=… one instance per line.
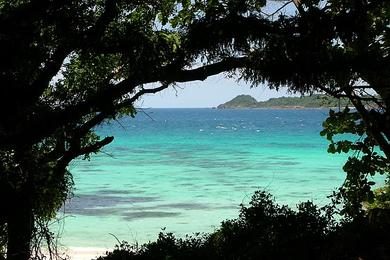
x=209, y=93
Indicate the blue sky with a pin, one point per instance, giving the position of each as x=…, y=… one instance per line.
x=209, y=93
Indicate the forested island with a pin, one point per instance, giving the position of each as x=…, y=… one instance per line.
x=313, y=101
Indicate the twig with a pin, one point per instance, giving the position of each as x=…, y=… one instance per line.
x=280, y=8
x=119, y=242
x=143, y=111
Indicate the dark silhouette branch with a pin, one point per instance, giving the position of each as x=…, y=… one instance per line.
x=51, y=68
x=46, y=124
x=54, y=63
x=75, y=152
x=280, y=8
x=372, y=127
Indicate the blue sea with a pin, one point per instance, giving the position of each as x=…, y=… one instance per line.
x=186, y=170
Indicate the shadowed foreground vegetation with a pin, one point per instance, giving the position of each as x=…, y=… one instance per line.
x=266, y=230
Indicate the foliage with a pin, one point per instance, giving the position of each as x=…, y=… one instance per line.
x=365, y=158
x=266, y=230
x=381, y=198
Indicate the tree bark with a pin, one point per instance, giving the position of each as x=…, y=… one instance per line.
x=20, y=225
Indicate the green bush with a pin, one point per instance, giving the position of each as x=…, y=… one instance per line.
x=266, y=230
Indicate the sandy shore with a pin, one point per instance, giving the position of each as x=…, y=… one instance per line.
x=84, y=253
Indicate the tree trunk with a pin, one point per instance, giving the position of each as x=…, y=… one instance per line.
x=20, y=225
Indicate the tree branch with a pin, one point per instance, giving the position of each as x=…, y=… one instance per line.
x=44, y=125
x=51, y=68
x=74, y=152
x=204, y=72
x=54, y=63
x=97, y=31
x=371, y=126
x=298, y=5
x=129, y=102
x=280, y=8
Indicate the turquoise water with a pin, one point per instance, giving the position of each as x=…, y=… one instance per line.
x=186, y=170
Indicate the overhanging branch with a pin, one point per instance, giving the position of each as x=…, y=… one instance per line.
x=74, y=152
x=44, y=125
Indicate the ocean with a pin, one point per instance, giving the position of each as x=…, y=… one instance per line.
x=186, y=170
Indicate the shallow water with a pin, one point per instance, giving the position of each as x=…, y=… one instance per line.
x=186, y=170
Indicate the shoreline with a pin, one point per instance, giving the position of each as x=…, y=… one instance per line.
x=82, y=253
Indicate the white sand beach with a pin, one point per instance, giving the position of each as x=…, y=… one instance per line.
x=83, y=253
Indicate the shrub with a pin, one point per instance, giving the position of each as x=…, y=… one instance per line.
x=266, y=230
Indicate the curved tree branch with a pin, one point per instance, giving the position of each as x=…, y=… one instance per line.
x=371, y=126
x=75, y=152
x=46, y=124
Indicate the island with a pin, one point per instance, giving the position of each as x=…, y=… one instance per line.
x=313, y=101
